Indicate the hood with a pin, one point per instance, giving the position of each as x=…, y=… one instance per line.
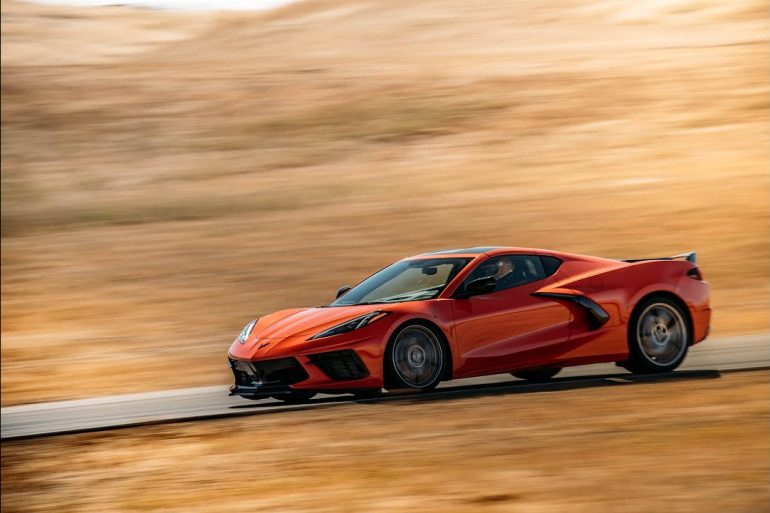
x=288, y=330
x=307, y=322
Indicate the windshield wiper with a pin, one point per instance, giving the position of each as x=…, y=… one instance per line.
x=400, y=297
x=361, y=303
x=411, y=295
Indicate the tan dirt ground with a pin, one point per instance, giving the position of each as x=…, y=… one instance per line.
x=168, y=177
x=699, y=445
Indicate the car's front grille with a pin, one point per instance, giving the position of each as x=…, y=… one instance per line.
x=341, y=365
x=283, y=371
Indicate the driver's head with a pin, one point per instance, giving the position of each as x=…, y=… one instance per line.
x=497, y=268
x=504, y=266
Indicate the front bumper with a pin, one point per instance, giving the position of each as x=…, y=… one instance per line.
x=265, y=378
x=331, y=371
x=260, y=391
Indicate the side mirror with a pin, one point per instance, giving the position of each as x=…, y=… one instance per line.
x=342, y=290
x=477, y=287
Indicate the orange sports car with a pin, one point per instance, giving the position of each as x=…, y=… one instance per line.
x=471, y=312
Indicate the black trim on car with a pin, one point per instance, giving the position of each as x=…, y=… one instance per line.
x=597, y=316
x=340, y=365
x=260, y=391
x=279, y=372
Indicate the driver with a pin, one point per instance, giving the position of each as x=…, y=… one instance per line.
x=504, y=271
x=504, y=274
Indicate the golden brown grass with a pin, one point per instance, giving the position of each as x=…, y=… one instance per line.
x=675, y=447
x=168, y=177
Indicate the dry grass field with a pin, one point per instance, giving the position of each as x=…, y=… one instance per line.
x=168, y=177
x=676, y=447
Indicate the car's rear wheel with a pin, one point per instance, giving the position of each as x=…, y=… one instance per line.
x=295, y=397
x=415, y=358
x=537, y=375
x=658, y=336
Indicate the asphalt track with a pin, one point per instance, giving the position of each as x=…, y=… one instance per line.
x=705, y=361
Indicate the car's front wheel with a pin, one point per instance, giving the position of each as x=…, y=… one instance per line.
x=415, y=358
x=658, y=336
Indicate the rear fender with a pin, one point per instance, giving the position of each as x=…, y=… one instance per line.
x=617, y=290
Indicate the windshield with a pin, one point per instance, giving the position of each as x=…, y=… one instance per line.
x=408, y=280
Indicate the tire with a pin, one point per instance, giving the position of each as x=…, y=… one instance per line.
x=295, y=397
x=658, y=336
x=537, y=375
x=415, y=358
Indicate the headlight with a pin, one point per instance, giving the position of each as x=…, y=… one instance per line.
x=245, y=332
x=352, y=324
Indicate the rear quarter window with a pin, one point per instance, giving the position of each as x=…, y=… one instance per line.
x=550, y=264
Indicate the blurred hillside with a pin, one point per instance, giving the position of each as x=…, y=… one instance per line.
x=167, y=177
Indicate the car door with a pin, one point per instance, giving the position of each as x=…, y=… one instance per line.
x=508, y=328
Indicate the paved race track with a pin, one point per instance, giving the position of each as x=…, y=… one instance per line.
x=705, y=360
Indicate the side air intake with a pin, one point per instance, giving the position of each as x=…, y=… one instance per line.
x=340, y=365
x=597, y=316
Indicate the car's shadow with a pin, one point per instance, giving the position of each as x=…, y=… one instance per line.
x=497, y=388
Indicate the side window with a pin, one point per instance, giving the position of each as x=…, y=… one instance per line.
x=510, y=270
x=550, y=264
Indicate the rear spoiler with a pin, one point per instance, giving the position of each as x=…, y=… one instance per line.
x=689, y=257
